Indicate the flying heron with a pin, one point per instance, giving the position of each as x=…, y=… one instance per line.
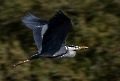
x=50, y=36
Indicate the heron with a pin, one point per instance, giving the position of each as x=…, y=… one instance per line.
x=50, y=36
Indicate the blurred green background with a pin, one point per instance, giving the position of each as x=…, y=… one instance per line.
x=97, y=25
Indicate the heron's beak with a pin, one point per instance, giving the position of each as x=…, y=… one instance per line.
x=21, y=62
x=83, y=47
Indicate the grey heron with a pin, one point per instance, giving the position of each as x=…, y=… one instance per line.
x=50, y=36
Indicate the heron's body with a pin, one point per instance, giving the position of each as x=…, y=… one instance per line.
x=50, y=35
x=68, y=54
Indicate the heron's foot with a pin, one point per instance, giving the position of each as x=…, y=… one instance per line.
x=21, y=62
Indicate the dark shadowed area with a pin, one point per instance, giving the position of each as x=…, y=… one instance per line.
x=96, y=25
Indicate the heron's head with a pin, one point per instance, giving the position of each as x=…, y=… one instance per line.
x=75, y=48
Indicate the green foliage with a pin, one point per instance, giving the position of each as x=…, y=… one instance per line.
x=96, y=25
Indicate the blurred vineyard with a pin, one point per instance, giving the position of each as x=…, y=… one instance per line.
x=96, y=24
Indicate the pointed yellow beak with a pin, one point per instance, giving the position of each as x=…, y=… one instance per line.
x=83, y=47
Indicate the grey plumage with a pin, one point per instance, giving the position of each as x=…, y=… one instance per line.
x=50, y=35
x=36, y=24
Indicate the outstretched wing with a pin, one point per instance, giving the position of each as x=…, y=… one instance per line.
x=54, y=38
x=39, y=26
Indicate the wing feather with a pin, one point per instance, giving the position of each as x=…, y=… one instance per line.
x=54, y=38
x=39, y=26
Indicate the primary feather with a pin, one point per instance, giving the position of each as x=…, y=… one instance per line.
x=39, y=26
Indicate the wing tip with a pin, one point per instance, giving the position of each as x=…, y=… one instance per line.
x=27, y=16
x=59, y=15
